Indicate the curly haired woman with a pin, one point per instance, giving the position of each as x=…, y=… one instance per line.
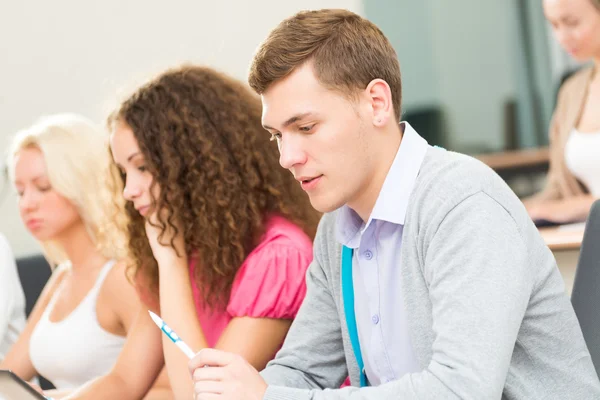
x=220, y=235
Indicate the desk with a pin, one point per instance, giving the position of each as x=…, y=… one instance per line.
x=523, y=170
x=565, y=241
x=516, y=159
x=567, y=237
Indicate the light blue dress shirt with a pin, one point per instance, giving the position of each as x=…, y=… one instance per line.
x=381, y=320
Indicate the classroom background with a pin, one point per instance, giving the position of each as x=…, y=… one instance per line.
x=479, y=77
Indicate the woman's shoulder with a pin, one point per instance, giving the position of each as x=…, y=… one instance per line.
x=119, y=281
x=271, y=281
x=576, y=83
x=282, y=232
x=285, y=251
x=60, y=272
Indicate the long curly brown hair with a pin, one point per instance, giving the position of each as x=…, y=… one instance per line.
x=201, y=136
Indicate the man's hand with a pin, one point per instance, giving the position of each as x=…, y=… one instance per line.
x=219, y=375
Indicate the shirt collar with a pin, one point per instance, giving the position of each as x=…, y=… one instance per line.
x=392, y=202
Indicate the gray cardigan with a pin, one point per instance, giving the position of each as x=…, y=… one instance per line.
x=488, y=314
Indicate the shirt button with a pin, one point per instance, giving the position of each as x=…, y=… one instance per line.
x=375, y=319
x=368, y=254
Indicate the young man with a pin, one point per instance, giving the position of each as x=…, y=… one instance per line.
x=455, y=294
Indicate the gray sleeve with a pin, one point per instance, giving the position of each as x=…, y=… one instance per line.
x=312, y=355
x=480, y=281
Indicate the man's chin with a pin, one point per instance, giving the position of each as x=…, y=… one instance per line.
x=325, y=205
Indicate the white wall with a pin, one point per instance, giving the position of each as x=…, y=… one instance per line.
x=407, y=24
x=70, y=55
x=472, y=53
x=456, y=55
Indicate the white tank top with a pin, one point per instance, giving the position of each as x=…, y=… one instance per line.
x=582, y=157
x=77, y=349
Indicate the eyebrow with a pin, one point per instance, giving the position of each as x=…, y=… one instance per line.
x=35, y=179
x=567, y=17
x=132, y=156
x=290, y=121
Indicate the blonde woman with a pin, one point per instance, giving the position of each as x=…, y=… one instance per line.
x=78, y=326
x=573, y=182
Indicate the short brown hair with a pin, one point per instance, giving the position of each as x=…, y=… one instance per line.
x=347, y=52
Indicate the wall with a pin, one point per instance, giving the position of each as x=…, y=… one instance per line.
x=456, y=55
x=69, y=55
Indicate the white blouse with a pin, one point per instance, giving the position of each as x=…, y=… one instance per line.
x=582, y=156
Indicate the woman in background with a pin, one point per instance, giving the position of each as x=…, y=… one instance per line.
x=78, y=325
x=220, y=235
x=12, y=300
x=573, y=182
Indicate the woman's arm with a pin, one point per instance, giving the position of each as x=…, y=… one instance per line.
x=572, y=209
x=121, y=297
x=255, y=339
x=256, y=334
x=556, y=163
x=8, y=285
x=178, y=310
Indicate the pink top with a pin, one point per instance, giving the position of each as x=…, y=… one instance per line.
x=269, y=284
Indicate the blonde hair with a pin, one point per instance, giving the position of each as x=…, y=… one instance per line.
x=78, y=163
